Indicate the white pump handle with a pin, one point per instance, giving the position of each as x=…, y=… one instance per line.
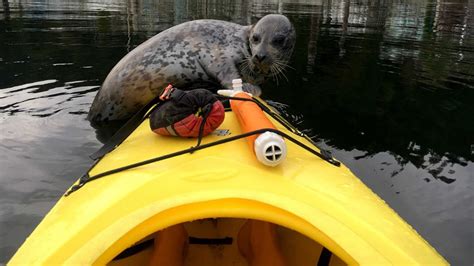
x=236, y=88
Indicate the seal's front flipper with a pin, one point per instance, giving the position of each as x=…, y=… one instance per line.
x=252, y=89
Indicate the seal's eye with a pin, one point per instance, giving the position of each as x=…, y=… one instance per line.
x=278, y=40
x=255, y=38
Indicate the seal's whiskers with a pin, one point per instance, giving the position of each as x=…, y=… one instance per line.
x=247, y=66
x=278, y=68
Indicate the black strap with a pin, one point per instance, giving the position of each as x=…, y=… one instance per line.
x=125, y=130
x=138, y=118
x=325, y=154
x=82, y=182
x=137, y=248
x=325, y=257
x=205, y=113
x=210, y=241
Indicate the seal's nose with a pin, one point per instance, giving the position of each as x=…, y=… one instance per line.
x=260, y=57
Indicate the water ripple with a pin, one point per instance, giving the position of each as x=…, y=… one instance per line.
x=42, y=99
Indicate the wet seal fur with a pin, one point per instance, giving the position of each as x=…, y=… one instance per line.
x=200, y=53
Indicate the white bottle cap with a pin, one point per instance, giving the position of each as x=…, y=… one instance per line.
x=237, y=84
x=270, y=148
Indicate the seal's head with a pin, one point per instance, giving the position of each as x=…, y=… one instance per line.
x=271, y=43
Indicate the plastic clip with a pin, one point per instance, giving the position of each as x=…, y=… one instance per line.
x=167, y=93
x=82, y=182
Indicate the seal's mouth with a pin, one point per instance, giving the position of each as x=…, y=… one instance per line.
x=273, y=68
x=263, y=68
x=262, y=61
x=269, y=67
x=262, y=65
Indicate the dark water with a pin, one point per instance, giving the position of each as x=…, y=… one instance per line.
x=388, y=86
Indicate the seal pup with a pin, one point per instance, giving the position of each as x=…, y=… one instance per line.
x=200, y=53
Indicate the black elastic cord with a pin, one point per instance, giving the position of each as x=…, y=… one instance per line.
x=144, y=113
x=197, y=148
x=325, y=153
x=269, y=112
x=207, y=110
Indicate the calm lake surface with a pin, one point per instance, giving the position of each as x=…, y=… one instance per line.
x=388, y=86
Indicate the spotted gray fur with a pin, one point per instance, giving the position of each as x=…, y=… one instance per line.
x=209, y=52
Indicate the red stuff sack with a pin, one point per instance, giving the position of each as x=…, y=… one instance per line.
x=182, y=112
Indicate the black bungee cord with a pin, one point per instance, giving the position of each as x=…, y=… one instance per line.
x=84, y=179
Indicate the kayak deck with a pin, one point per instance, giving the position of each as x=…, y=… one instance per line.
x=305, y=193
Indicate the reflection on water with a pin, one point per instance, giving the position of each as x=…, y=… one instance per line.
x=386, y=85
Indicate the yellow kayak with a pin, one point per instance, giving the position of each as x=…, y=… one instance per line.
x=325, y=215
